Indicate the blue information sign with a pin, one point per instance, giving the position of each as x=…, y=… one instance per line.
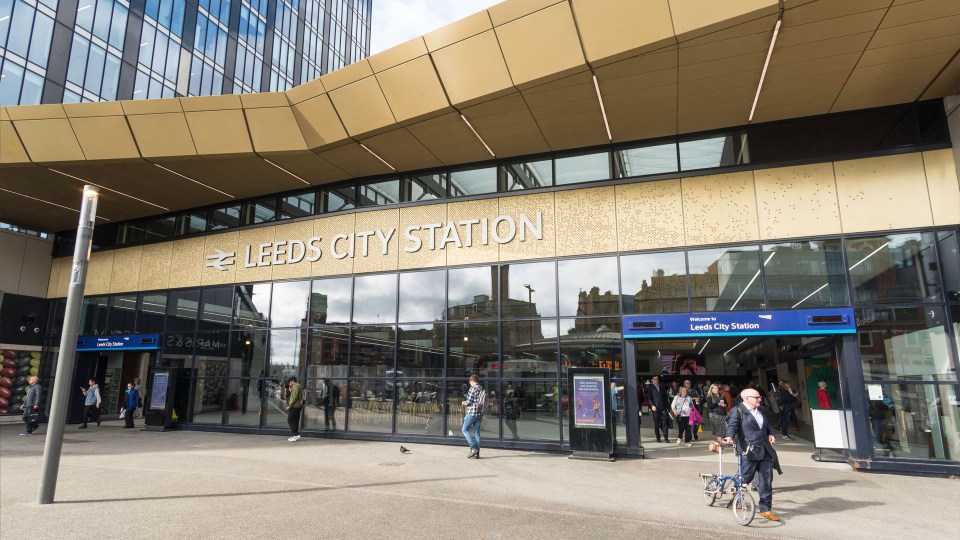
x=136, y=342
x=809, y=322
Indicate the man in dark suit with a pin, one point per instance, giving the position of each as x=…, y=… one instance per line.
x=658, y=405
x=754, y=438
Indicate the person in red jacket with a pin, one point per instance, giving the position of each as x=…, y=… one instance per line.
x=823, y=397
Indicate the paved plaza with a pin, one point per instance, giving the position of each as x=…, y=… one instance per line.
x=117, y=483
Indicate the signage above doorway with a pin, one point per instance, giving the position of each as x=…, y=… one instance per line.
x=810, y=322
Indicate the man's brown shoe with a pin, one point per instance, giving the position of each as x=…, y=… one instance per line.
x=769, y=515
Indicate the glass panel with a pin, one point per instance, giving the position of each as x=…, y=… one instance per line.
x=950, y=264
x=589, y=286
x=370, y=410
x=528, y=175
x=422, y=295
x=379, y=193
x=421, y=350
x=217, y=308
x=118, y=25
x=328, y=351
x=123, y=314
x=528, y=290
x=531, y=410
x=425, y=187
x=655, y=282
x=908, y=343
x=725, y=279
x=161, y=227
x=252, y=305
x=208, y=401
x=375, y=299
x=324, y=409
x=295, y=206
x=248, y=353
x=10, y=81
x=592, y=343
x=22, y=20
x=914, y=421
x=330, y=301
x=132, y=233
x=152, y=308
x=341, y=199
x=93, y=318
x=645, y=160
x=372, y=350
x=419, y=406
x=182, y=310
x=585, y=168
x=471, y=293
x=473, y=347
x=222, y=218
x=40, y=42
x=245, y=397
x=808, y=274
x=473, y=182
x=716, y=151
x=288, y=349
x=893, y=268
x=261, y=211
x=456, y=394
x=291, y=304
x=530, y=350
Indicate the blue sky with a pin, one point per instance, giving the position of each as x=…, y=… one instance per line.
x=396, y=21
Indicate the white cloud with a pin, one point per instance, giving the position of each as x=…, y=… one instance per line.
x=396, y=21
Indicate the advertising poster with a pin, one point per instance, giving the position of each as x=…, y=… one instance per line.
x=666, y=363
x=588, y=398
x=158, y=391
x=821, y=369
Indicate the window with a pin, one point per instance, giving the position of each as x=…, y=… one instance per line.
x=379, y=193
x=584, y=168
x=727, y=278
x=646, y=160
x=894, y=268
x=655, y=282
x=527, y=175
x=294, y=206
x=473, y=182
x=804, y=275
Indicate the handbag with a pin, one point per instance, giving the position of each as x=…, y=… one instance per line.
x=695, y=417
x=123, y=413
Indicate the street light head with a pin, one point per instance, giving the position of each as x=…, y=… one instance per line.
x=91, y=192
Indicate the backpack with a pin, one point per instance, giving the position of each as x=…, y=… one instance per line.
x=303, y=396
x=481, y=400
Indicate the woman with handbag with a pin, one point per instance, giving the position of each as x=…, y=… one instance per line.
x=717, y=406
x=681, y=410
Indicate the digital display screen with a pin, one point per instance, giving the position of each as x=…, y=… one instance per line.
x=158, y=391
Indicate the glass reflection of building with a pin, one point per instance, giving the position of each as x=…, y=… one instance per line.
x=170, y=48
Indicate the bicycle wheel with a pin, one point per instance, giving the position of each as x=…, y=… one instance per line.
x=710, y=492
x=743, y=507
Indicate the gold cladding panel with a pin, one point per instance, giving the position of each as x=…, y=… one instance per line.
x=105, y=137
x=99, y=273
x=299, y=230
x=699, y=17
x=460, y=30
x=155, y=266
x=362, y=107
x=883, y=193
x=541, y=45
x=720, y=208
x=161, y=135
x=327, y=228
x=413, y=89
x=375, y=260
x=586, y=221
x=419, y=215
x=56, y=267
x=530, y=248
x=253, y=238
x=479, y=209
x=11, y=149
x=126, y=270
x=650, y=215
x=944, y=189
x=63, y=283
x=473, y=68
x=219, y=132
x=611, y=28
x=275, y=130
x=49, y=140
x=797, y=201
x=186, y=262
x=504, y=12
x=319, y=122
x=228, y=242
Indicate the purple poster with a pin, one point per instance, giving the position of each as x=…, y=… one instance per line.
x=588, y=400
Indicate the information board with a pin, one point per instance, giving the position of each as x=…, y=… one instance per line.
x=809, y=322
x=158, y=391
x=588, y=398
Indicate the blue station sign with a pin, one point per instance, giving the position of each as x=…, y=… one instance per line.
x=809, y=322
x=136, y=342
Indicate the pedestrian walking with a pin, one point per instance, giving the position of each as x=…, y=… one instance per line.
x=474, y=416
x=294, y=408
x=788, y=406
x=717, y=406
x=91, y=403
x=329, y=405
x=681, y=409
x=131, y=402
x=656, y=398
x=31, y=405
x=138, y=386
x=754, y=437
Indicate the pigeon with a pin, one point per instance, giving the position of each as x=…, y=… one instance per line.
x=403, y=450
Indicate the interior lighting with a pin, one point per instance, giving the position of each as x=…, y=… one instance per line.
x=702, y=348
x=46, y=202
x=735, y=346
x=858, y=263
x=477, y=135
x=754, y=278
x=766, y=64
x=286, y=171
x=374, y=154
x=603, y=111
x=194, y=181
x=108, y=189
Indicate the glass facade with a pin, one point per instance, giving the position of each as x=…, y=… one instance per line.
x=169, y=48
